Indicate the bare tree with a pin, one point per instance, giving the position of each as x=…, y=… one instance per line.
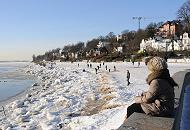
x=111, y=37
x=151, y=30
x=184, y=14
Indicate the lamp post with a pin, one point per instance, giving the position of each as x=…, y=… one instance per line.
x=139, y=21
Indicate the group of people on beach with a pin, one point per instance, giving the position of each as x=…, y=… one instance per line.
x=106, y=68
x=133, y=62
x=89, y=65
x=159, y=99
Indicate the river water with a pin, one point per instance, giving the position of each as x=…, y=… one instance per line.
x=13, y=80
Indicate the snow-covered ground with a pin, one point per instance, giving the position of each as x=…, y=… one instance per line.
x=72, y=97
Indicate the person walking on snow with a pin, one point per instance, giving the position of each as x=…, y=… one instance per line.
x=114, y=68
x=133, y=62
x=128, y=77
x=96, y=70
x=159, y=99
x=139, y=63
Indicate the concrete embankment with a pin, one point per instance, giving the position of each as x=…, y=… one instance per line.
x=144, y=122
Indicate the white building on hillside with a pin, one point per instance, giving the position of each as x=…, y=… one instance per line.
x=119, y=37
x=120, y=49
x=166, y=44
x=151, y=44
x=102, y=44
x=175, y=45
x=185, y=41
x=146, y=44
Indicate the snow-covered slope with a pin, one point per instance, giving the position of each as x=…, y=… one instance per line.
x=72, y=97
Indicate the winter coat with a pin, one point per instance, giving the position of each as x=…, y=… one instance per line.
x=159, y=99
x=128, y=75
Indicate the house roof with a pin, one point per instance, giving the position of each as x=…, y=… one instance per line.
x=173, y=22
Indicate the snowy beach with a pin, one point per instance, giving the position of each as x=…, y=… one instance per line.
x=72, y=97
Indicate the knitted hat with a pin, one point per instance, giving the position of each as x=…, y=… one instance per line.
x=147, y=59
x=156, y=64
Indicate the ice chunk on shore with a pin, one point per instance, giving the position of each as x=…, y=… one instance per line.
x=47, y=126
x=57, y=82
x=17, y=104
x=19, y=111
x=51, y=117
x=62, y=101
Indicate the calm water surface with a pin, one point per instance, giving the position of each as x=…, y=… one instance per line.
x=12, y=79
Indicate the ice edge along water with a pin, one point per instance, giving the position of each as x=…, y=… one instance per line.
x=65, y=90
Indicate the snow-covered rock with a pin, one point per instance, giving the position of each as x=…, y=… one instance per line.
x=17, y=104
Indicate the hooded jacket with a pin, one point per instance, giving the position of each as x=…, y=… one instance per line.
x=159, y=99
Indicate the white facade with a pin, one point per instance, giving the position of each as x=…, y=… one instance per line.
x=120, y=49
x=87, y=54
x=76, y=55
x=160, y=45
x=119, y=37
x=186, y=41
x=60, y=51
x=146, y=44
x=176, y=45
x=102, y=44
x=73, y=55
x=166, y=44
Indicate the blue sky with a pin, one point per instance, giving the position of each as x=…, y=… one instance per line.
x=34, y=26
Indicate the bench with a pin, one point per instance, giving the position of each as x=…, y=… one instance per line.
x=140, y=121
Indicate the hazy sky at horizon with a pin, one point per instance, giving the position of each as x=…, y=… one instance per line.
x=30, y=27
